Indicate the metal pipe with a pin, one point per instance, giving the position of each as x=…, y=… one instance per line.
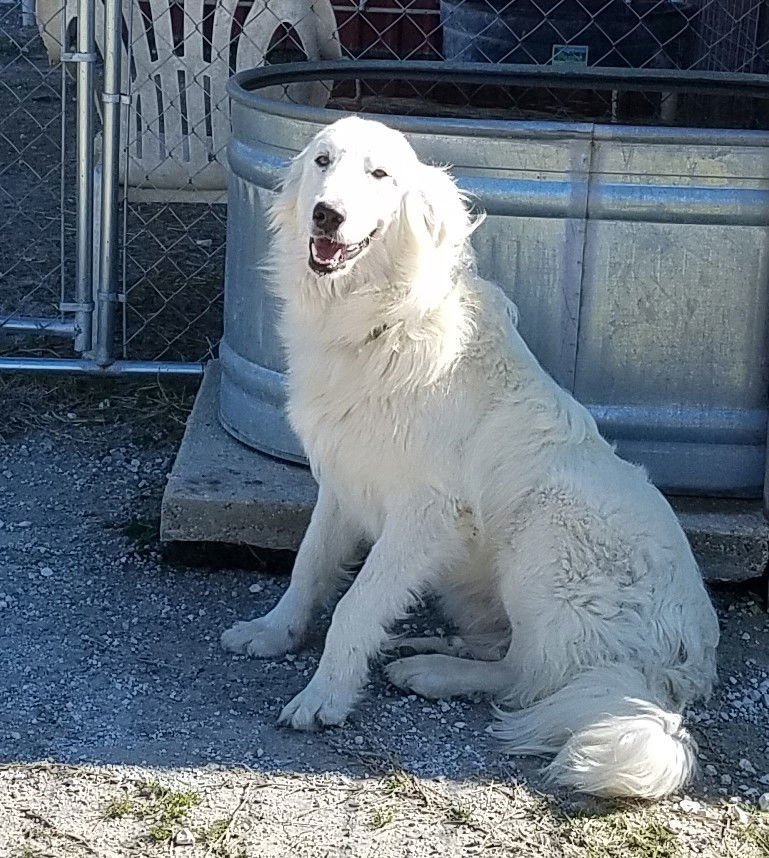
x=63, y=243
x=128, y=86
x=39, y=325
x=86, y=48
x=81, y=366
x=27, y=13
x=106, y=297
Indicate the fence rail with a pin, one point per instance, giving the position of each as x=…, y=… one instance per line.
x=114, y=119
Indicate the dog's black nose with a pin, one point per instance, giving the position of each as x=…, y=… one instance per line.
x=326, y=218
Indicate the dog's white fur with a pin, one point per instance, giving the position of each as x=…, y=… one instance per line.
x=437, y=439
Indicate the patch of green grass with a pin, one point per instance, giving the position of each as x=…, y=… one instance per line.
x=652, y=841
x=398, y=783
x=160, y=833
x=460, y=814
x=164, y=808
x=151, y=790
x=622, y=835
x=217, y=842
x=757, y=833
x=175, y=805
x=381, y=817
x=119, y=809
x=215, y=831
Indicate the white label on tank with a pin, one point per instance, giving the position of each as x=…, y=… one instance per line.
x=573, y=55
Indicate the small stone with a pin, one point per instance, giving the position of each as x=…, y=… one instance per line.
x=46, y=571
x=763, y=802
x=747, y=766
x=15, y=736
x=726, y=780
x=358, y=740
x=764, y=780
x=745, y=636
x=184, y=837
x=711, y=771
x=256, y=588
x=24, y=524
x=460, y=725
x=688, y=805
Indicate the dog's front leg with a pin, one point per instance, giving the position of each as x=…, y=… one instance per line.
x=416, y=543
x=331, y=541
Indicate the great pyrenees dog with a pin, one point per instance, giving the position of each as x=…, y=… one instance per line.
x=440, y=443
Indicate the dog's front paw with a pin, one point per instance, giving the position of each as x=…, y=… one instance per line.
x=260, y=638
x=319, y=705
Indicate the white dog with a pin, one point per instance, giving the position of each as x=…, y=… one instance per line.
x=438, y=440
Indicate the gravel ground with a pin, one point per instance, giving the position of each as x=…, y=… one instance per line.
x=126, y=731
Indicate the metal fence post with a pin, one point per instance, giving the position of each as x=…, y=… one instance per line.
x=27, y=13
x=107, y=296
x=85, y=58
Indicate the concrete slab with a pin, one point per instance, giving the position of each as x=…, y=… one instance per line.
x=222, y=491
x=730, y=538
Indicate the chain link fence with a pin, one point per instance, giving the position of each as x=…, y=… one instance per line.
x=35, y=184
x=175, y=61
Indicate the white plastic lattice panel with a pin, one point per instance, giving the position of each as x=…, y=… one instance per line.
x=177, y=59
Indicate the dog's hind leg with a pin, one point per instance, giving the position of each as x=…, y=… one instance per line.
x=451, y=645
x=438, y=676
x=488, y=647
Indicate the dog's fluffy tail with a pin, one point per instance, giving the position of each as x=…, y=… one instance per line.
x=609, y=736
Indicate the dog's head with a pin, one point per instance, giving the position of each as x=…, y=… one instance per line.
x=358, y=188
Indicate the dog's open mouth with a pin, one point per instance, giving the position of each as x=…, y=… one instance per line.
x=327, y=256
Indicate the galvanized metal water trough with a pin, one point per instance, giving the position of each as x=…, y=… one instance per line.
x=638, y=257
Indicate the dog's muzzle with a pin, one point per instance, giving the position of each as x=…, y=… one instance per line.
x=328, y=256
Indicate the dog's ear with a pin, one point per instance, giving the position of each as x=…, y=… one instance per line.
x=283, y=209
x=435, y=210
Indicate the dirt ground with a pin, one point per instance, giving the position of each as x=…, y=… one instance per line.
x=126, y=731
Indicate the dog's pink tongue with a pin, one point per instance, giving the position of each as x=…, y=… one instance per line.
x=327, y=250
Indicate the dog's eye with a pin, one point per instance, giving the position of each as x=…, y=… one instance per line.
x=323, y=160
x=379, y=174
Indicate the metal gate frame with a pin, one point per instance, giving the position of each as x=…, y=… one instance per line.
x=94, y=316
